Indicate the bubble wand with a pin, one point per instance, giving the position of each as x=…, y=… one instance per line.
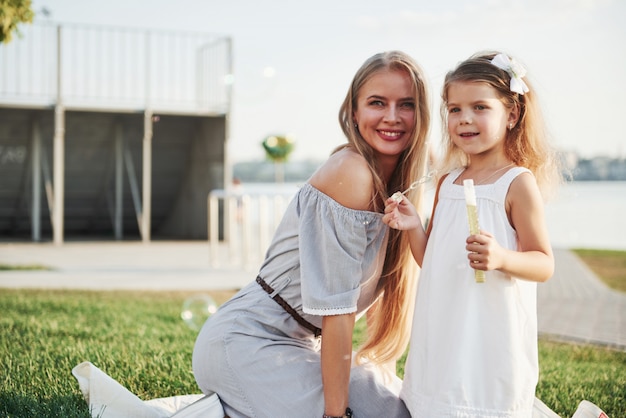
x=397, y=196
x=472, y=218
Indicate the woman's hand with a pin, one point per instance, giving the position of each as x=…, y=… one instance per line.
x=401, y=214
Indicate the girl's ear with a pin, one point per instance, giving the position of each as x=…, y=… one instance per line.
x=514, y=115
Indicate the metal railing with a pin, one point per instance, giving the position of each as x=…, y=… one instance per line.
x=117, y=68
x=248, y=221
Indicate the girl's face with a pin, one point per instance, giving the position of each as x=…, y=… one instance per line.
x=385, y=113
x=477, y=119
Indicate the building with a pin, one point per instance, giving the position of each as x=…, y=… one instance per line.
x=111, y=133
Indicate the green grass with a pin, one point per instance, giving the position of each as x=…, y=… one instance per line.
x=608, y=265
x=571, y=373
x=139, y=339
x=6, y=267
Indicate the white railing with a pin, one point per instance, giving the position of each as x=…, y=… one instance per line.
x=241, y=223
x=248, y=221
x=104, y=67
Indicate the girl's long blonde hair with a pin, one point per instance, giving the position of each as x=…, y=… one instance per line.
x=389, y=329
x=526, y=144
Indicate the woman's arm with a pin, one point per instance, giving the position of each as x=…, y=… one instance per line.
x=534, y=260
x=336, y=362
x=347, y=179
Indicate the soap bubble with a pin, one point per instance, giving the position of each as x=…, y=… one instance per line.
x=197, y=309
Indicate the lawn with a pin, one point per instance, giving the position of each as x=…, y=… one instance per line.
x=139, y=339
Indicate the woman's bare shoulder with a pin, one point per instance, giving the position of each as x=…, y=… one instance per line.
x=346, y=178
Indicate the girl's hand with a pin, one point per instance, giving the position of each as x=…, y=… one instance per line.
x=401, y=215
x=484, y=252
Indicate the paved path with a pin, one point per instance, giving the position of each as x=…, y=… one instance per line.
x=574, y=305
x=179, y=265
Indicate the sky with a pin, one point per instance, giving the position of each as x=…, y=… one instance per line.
x=293, y=61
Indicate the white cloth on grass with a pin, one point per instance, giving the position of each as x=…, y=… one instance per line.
x=109, y=399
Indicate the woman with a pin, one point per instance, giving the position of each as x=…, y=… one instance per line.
x=331, y=260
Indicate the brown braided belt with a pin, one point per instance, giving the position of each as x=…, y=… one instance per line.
x=306, y=324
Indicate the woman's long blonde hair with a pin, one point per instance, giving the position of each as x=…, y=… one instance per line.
x=389, y=329
x=526, y=144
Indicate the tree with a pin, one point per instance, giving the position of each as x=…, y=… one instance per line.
x=277, y=148
x=13, y=13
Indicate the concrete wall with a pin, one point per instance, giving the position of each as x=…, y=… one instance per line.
x=187, y=162
x=203, y=171
x=16, y=194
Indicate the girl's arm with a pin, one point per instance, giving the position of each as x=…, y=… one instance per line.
x=336, y=362
x=403, y=216
x=533, y=260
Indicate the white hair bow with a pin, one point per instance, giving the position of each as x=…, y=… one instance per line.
x=515, y=70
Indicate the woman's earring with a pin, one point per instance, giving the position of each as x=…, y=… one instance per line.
x=510, y=126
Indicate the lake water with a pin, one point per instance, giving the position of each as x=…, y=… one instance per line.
x=589, y=215
x=583, y=215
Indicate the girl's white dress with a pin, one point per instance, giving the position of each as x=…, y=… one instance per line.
x=473, y=350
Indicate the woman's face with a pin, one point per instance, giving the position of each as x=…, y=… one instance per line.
x=385, y=113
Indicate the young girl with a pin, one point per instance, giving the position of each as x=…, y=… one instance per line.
x=474, y=345
x=331, y=258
